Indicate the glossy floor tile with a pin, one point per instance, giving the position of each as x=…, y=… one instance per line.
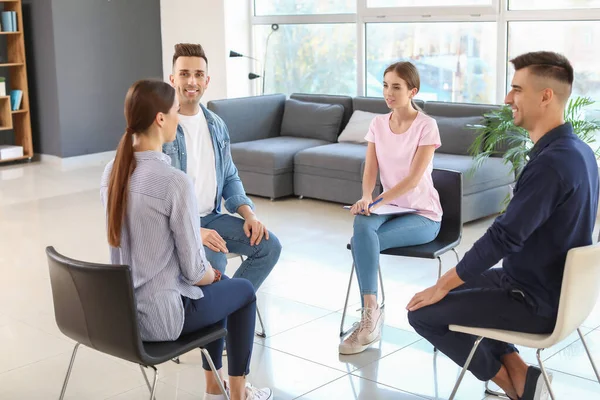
x=415, y=369
x=351, y=387
x=42, y=204
x=318, y=341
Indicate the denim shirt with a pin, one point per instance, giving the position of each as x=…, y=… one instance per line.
x=229, y=185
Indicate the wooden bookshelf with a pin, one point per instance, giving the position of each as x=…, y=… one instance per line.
x=15, y=69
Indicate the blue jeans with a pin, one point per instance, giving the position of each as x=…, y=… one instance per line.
x=260, y=259
x=231, y=304
x=375, y=233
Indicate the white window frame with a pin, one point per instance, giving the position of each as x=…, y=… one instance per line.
x=497, y=12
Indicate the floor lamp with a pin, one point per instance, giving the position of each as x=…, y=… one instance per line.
x=252, y=76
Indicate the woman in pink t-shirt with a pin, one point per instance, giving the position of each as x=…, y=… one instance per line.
x=401, y=146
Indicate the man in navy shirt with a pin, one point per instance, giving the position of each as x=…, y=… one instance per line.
x=553, y=210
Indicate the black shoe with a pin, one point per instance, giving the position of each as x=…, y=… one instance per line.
x=535, y=386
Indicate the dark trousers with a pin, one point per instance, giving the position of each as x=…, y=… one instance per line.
x=488, y=301
x=229, y=303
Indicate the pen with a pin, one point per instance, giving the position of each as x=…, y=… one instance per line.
x=373, y=203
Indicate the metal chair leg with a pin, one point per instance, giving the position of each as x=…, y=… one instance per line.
x=545, y=374
x=342, y=332
x=262, y=333
x=439, y=268
x=176, y=360
x=587, y=350
x=382, y=305
x=152, y=388
x=66, y=382
x=382, y=291
x=457, y=256
x=467, y=363
x=215, y=373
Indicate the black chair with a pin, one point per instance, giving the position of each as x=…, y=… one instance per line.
x=449, y=186
x=94, y=305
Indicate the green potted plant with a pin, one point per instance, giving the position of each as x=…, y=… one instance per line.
x=500, y=136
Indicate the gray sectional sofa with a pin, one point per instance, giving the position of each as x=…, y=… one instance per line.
x=292, y=146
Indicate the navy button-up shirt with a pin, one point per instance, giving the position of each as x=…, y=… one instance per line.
x=553, y=210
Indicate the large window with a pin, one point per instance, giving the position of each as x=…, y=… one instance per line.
x=577, y=40
x=552, y=4
x=426, y=3
x=309, y=58
x=461, y=48
x=454, y=60
x=303, y=7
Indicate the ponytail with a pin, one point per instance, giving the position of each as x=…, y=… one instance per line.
x=416, y=107
x=118, y=188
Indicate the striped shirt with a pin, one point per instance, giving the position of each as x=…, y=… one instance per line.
x=161, y=242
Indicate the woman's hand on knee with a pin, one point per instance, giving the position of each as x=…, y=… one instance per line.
x=361, y=206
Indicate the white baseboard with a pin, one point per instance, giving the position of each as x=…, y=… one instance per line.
x=88, y=160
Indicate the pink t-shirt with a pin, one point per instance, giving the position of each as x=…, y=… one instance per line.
x=395, y=154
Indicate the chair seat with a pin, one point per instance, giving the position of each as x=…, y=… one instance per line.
x=532, y=340
x=433, y=249
x=159, y=352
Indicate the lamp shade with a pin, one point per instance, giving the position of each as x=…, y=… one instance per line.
x=235, y=54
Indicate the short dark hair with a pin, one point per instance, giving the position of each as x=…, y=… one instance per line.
x=546, y=64
x=189, y=50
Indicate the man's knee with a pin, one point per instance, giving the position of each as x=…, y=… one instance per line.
x=274, y=245
x=217, y=260
x=271, y=247
x=418, y=319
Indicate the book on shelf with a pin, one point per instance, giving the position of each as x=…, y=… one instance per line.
x=9, y=21
x=15, y=99
x=6, y=21
x=7, y=152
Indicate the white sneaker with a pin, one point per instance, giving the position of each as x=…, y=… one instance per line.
x=208, y=396
x=351, y=345
x=253, y=393
x=370, y=325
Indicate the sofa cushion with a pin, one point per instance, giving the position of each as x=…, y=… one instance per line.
x=357, y=127
x=250, y=118
x=312, y=120
x=492, y=173
x=445, y=109
x=270, y=156
x=376, y=104
x=338, y=160
x=344, y=101
x=456, y=135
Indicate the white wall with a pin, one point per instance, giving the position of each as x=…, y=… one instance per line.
x=219, y=26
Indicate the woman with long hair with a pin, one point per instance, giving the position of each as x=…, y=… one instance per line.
x=400, y=147
x=153, y=226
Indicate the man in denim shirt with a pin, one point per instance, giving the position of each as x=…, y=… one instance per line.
x=201, y=149
x=553, y=210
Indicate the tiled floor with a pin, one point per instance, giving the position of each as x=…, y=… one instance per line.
x=42, y=204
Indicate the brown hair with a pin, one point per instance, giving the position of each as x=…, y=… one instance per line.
x=189, y=50
x=409, y=73
x=546, y=64
x=145, y=99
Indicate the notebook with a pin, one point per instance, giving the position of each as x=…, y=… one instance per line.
x=389, y=209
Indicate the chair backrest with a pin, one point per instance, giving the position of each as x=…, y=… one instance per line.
x=94, y=304
x=580, y=290
x=448, y=183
